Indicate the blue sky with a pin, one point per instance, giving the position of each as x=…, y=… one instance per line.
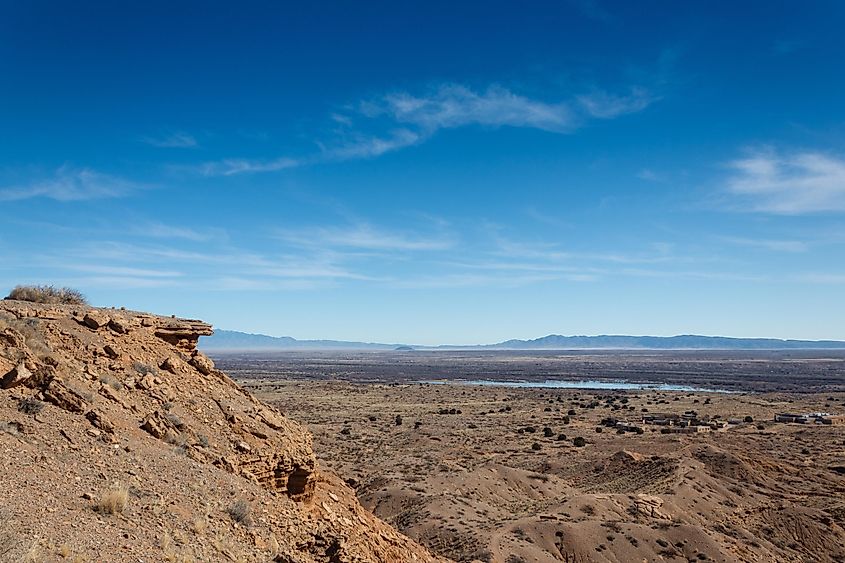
x=432, y=172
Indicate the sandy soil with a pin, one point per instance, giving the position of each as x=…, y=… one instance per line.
x=473, y=473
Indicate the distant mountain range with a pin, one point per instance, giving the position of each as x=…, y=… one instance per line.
x=234, y=340
x=230, y=340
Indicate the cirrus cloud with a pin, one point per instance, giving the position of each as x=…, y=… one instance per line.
x=793, y=183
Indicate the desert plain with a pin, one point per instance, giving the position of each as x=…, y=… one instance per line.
x=517, y=474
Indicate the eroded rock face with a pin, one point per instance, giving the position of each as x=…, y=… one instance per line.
x=125, y=371
x=183, y=333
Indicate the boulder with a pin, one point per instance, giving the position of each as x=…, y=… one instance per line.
x=64, y=397
x=94, y=319
x=174, y=365
x=98, y=420
x=202, y=362
x=11, y=338
x=17, y=376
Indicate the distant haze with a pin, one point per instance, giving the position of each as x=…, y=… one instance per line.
x=229, y=340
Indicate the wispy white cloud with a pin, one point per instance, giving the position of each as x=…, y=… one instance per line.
x=398, y=120
x=161, y=230
x=692, y=275
x=768, y=244
x=177, y=139
x=459, y=280
x=545, y=252
x=821, y=278
x=417, y=117
x=650, y=175
x=116, y=282
x=788, y=184
x=125, y=266
x=604, y=105
x=363, y=146
x=233, y=166
x=365, y=237
x=72, y=184
x=122, y=271
x=454, y=105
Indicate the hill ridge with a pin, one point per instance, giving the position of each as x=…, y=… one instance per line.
x=129, y=444
x=228, y=340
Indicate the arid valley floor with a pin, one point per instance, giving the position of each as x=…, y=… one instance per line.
x=493, y=473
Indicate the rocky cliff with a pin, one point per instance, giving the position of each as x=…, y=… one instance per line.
x=122, y=442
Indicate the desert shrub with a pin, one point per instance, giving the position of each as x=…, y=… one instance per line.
x=239, y=511
x=175, y=420
x=111, y=381
x=31, y=405
x=12, y=428
x=47, y=294
x=113, y=501
x=749, y=419
x=579, y=442
x=33, y=336
x=144, y=369
x=180, y=440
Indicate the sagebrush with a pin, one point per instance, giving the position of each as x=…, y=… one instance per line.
x=48, y=294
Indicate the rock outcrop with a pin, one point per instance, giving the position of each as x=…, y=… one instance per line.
x=119, y=384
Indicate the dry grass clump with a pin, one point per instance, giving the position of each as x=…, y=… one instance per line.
x=240, y=512
x=47, y=294
x=113, y=501
x=11, y=428
x=111, y=381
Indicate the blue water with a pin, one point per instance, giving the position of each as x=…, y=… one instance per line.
x=582, y=384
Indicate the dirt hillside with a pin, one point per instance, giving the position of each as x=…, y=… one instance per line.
x=122, y=442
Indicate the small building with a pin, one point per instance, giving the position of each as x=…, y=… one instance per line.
x=628, y=427
x=685, y=430
x=661, y=419
x=836, y=419
x=792, y=418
